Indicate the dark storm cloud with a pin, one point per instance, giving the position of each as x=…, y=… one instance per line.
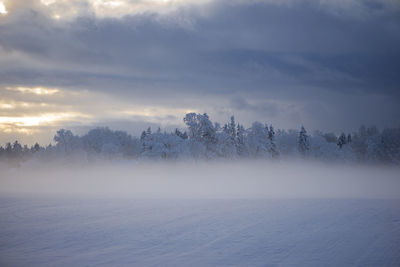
x=260, y=58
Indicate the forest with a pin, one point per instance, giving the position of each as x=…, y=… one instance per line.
x=203, y=139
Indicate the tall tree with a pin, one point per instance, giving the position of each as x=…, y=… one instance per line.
x=201, y=130
x=232, y=130
x=271, y=136
x=342, y=140
x=241, y=141
x=303, y=142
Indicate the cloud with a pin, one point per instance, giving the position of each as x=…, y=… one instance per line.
x=287, y=62
x=34, y=111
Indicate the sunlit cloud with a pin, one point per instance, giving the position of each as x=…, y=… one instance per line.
x=47, y=2
x=152, y=112
x=41, y=119
x=13, y=130
x=36, y=90
x=3, y=9
x=6, y=106
x=62, y=9
x=19, y=107
x=25, y=126
x=110, y=4
x=128, y=61
x=27, y=111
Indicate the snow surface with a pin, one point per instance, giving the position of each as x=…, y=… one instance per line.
x=82, y=232
x=298, y=228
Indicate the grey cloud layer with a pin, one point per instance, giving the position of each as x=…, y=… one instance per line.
x=297, y=61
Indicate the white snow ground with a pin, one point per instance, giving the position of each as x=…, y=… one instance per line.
x=38, y=228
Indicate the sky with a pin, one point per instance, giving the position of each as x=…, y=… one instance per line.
x=129, y=64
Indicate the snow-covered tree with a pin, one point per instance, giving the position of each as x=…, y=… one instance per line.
x=232, y=131
x=225, y=146
x=258, y=140
x=304, y=143
x=66, y=141
x=342, y=140
x=107, y=143
x=180, y=134
x=35, y=148
x=242, y=144
x=17, y=149
x=203, y=139
x=202, y=130
x=147, y=142
x=272, y=146
x=390, y=143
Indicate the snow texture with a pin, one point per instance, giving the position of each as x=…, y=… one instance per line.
x=82, y=232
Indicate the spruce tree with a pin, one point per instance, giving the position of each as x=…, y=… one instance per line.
x=303, y=143
x=271, y=137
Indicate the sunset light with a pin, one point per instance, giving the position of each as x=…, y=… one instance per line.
x=3, y=9
x=199, y=133
x=35, y=90
x=41, y=119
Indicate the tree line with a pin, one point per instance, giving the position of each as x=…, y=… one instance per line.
x=203, y=139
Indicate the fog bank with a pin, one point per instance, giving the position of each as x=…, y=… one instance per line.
x=240, y=179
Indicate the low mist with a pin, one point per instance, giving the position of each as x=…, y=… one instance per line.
x=239, y=179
